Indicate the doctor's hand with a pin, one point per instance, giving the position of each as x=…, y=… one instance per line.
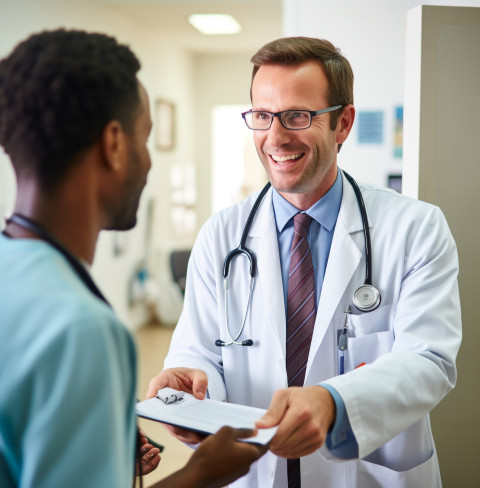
x=194, y=381
x=303, y=416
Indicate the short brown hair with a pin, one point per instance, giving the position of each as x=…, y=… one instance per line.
x=296, y=50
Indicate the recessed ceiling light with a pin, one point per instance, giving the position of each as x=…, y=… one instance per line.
x=212, y=24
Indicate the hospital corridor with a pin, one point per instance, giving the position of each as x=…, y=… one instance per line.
x=153, y=340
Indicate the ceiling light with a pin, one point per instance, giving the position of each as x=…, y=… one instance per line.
x=215, y=23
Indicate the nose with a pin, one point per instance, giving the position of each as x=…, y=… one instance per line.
x=277, y=134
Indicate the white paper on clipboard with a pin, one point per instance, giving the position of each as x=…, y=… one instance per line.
x=205, y=416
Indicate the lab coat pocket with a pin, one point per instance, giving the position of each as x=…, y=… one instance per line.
x=376, y=476
x=369, y=336
x=366, y=349
x=362, y=324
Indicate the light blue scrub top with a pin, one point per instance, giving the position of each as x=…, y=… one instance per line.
x=341, y=440
x=67, y=377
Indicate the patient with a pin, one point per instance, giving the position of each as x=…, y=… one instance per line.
x=74, y=120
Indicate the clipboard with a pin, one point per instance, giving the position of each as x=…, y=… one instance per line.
x=203, y=416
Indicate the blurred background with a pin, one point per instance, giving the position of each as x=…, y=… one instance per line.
x=203, y=155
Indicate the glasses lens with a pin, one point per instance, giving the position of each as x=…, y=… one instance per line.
x=259, y=120
x=296, y=119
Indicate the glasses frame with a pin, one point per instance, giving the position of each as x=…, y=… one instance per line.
x=313, y=113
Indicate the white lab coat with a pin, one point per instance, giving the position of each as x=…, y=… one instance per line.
x=409, y=344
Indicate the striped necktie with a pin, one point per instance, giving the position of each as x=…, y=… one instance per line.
x=301, y=312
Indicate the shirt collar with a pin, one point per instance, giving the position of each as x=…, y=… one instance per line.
x=324, y=211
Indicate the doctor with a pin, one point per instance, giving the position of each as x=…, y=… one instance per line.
x=370, y=377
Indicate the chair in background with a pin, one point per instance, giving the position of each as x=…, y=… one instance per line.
x=178, y=265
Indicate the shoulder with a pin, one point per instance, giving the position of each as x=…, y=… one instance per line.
x=53, y=307
x=229, y=223
x=396, y=218
x=385, y=201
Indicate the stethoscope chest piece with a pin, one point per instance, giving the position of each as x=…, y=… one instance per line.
x=366, y=298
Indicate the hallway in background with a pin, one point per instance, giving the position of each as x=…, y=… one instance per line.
x=152, y=346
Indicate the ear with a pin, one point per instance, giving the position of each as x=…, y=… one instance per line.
x=113, y=145
x=345, y=123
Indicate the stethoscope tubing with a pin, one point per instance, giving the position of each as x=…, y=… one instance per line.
x=366, y=229
x=235, y=341
x=242, y=249
x=370, y=295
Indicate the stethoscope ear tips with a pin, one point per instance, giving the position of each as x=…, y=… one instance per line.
x=219, y=343
x=366, y=298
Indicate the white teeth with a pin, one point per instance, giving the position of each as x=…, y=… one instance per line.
x=279, y=159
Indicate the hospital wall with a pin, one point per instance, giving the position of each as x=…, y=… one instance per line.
x=166, y=73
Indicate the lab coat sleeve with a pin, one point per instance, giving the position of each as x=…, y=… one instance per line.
x=193, y=341
x=400, y=387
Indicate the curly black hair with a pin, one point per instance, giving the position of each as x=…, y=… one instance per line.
x=58, y=90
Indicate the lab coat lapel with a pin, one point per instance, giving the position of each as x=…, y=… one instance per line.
x=270, y=287
x=343, y=260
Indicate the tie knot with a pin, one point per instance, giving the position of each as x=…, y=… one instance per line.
x=301, y=224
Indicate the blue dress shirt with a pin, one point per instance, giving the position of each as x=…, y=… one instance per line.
x=340, y=440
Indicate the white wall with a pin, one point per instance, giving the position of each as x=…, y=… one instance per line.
x=371, y=35
x=166, y=73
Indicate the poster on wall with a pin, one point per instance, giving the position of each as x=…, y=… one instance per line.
x=398, y=133
x=370, y=127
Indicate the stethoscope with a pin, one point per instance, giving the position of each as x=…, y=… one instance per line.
x=366, y=297
x=241, y=250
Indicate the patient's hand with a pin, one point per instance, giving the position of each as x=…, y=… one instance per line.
x=149, y=457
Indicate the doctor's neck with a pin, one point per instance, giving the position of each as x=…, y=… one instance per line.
x=304, y=194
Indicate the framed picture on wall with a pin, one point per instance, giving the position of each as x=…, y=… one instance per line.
x=164, y=125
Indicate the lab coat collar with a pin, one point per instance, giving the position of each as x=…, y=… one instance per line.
x=343, y=261
x=352, y=219
x=263, y=216
x=268, y=262
x=349, y=213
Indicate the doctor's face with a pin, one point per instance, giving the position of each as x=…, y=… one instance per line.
x=301, y=164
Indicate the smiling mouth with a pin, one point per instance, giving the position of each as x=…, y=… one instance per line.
x=290, y=158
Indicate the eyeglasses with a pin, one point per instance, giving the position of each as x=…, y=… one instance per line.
x=290, y=119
